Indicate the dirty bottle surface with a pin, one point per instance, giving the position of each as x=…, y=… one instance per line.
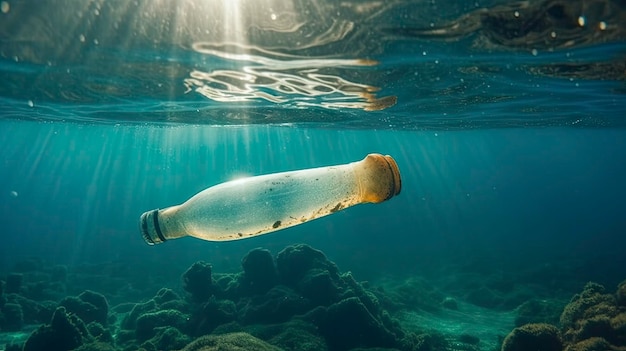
x=258, y=205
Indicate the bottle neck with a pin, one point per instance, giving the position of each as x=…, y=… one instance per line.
x=150, y=227
x=158, y=226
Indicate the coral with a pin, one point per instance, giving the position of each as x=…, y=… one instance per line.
x=229, y=342
x=259, y=271
x=65, y=332
x=537, y=337
x=197, y=281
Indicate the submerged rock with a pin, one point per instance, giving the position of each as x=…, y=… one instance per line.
x=349, y=324
x=621, y=293
x=65, y=332
x=259, y=271
x=295, y=261
x=229, y=342
x=594, y=313
x=147, y=324
x=198, y=282
x=138, y=309
x=536, y=337
x=89, y=306
x=168, y=338
x=276, y=306
x=593, y=320
x=213, y=314
x=294, y=335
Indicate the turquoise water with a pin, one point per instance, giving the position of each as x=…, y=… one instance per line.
x=509, y=137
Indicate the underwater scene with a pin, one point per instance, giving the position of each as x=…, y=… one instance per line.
x=402, y=175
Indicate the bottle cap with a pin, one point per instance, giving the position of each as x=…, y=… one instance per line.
x=150, y=229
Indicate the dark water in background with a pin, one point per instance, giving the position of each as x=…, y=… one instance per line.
x=510, y=138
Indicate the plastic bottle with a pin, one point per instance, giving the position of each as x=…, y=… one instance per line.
x=253, y=206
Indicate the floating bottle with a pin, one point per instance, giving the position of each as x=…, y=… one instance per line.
x=258, y=205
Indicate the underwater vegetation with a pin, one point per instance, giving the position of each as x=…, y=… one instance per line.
x=593, y=320
x=295, y=300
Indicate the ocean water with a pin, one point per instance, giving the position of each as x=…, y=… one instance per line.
x=506, y=119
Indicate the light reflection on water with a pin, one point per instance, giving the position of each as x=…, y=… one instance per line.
x=297, y=82
x=399, y=64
